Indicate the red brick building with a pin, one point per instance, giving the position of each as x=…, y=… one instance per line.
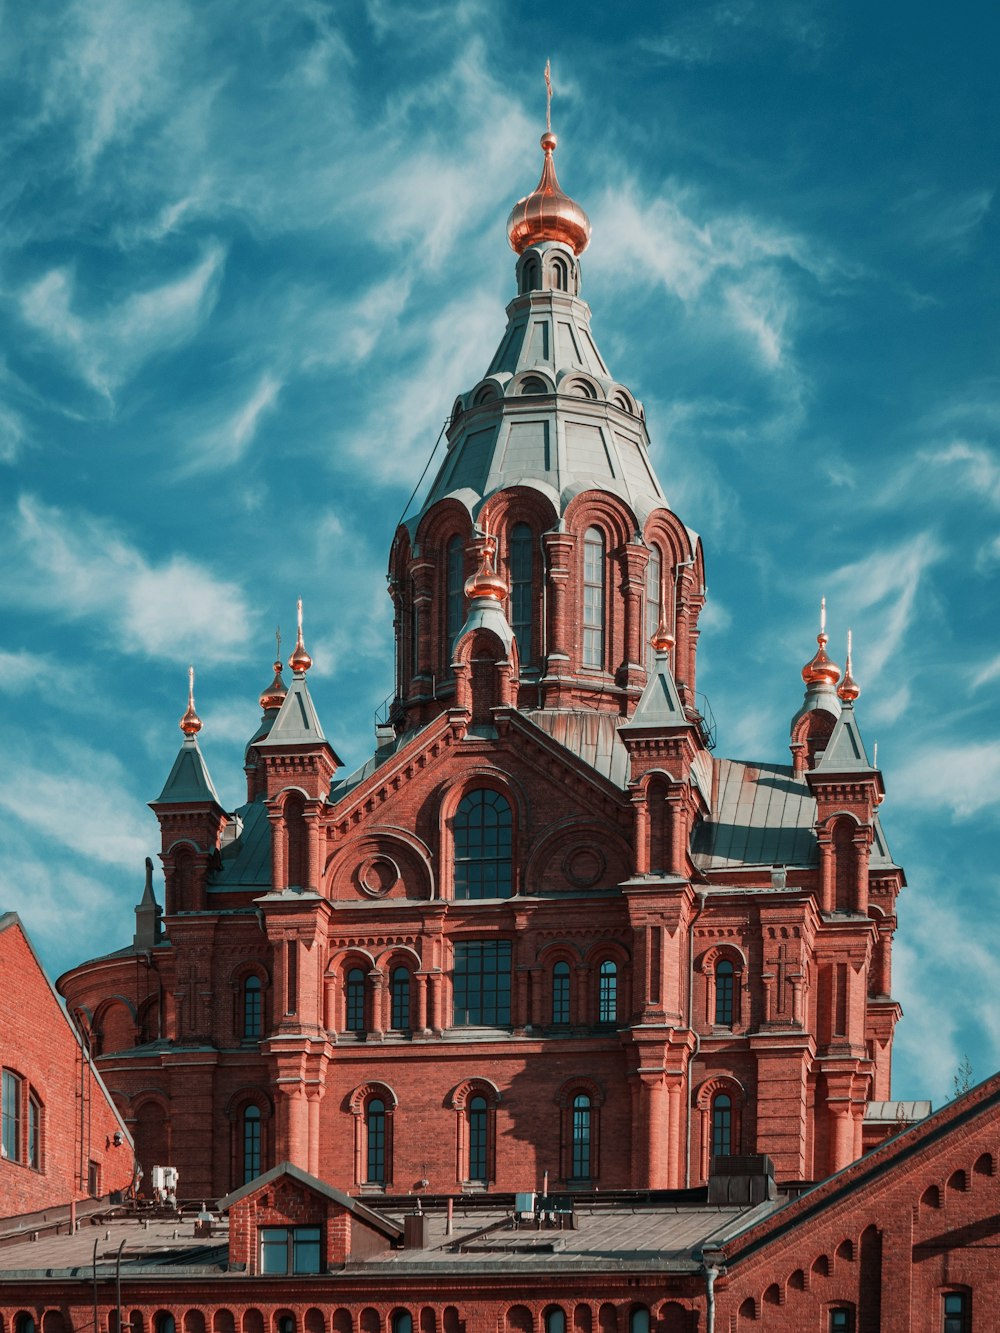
x=902, y=1241
x=63, y=1139
x=544, y=933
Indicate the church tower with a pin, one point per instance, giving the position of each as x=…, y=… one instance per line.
x=544, y=932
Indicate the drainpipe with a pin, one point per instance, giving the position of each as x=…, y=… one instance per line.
x=697, y=1041
x=711, y=1273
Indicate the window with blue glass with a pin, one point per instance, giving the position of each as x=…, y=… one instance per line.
x=593, y=598
x=654, y=602
x=580, y=1160
x=560, y=993
x=481, y=983
x=454, y=592
x=354, y=1000
x=251, y=1143
x=607, y=996
x=12, y=1096
x=722, y=1125
x=375, y=1133
x=479, y=1124
x=724, y=993
x=289, y=1250
x=483, y=829
x=253, y=1007
x=522, y=554
x=399, y=992
x=957, y=1312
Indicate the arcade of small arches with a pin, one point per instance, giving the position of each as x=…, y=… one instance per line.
x=626, y=1316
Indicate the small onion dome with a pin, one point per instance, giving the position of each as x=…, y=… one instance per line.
x=190, y=723
x=274, y=695
x=662, y=640
x=547, y=214
x=819, y=669
x=848, y=689
x=300, y=661
x=486, y=582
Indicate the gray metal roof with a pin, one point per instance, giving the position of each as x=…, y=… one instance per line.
x=660, y=704
x=845, y=751
x=297, y=722
x=246, y=861
x=762, y=814
x=591, y=736
x=189, y=782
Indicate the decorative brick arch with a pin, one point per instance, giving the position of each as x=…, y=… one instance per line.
x=241, y=1130
x=592, y=851
x=451, y=798
x=705, y=1103
x=707, y=964
x=462, y=1095
x=338, y=968
x=358, y=1104
x=238, y=978
x=380, y=862
x=608, y=951
x=115, y=1025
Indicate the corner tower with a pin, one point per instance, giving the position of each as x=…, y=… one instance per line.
x=547, y=464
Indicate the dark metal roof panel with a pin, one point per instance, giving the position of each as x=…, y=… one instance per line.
x=246, y=861
x=763, y=815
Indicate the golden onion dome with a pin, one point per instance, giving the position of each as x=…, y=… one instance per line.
x=486, y=582
x=190, y=723
x=820, y=670
x=662, y=641
x=300, y=661
x=848, y=689
x=547, y=214
x=274, y=695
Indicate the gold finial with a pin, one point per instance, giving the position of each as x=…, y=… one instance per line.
x=486, y=582
x=190, y=723
x=547, y=214
x=819, y=669
x=274, y=695
x=300, y=661
x=662, y=641
x=848, y=689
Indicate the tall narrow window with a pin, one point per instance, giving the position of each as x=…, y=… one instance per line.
x=483, y=831
x=581, y=1137
x=722, y=1126
x=251, y=1143
x=454, y=592
x=354, y=1017
x=252, y=1008
x=724, y=990
x=481, y=986
x=521, y=588
x=654, y=600
x=607, y=998
x=560, y=993
x=957, y=1312
x=375, y=1126
x=34, y=1132
x=11, y=1116
x=478, y=1139
x=593, y=598
x=399, y=986
x=414, y=629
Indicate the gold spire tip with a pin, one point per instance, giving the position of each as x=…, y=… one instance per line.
x=300, y=661
x=848, y=689
x=190, y=723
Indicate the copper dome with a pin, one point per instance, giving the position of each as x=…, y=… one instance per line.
x=547, y=214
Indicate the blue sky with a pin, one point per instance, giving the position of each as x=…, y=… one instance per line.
x=249, y=254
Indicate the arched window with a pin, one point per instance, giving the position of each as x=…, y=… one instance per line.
x=375, y=1135
x=12, y=1098
x=593, y=598
x=285, y=1323
x=399, y=990
x=478, y=1139
x=402, y=1321
x=34, y=1131
x=722, y=1125
x=483, y=831
x=638, y=1320
x=842, y=1319
x=163, y=1322
x=580, y=1159
x=654, y=600
x=521, y=587
x=724, y=992
x=454, y=592
x=24, y=1323
x=253, y=1008
x=251, y=1143
x=560, y=993
x=354, y=1001
x=607, y=995
x=555, y=1320
x=414, y=629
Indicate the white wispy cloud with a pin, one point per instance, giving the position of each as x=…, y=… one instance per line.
x=227, y=444
x=79, y=567
x=725, y=30
x=945, y=221
x=962, y=777
x=107, y=346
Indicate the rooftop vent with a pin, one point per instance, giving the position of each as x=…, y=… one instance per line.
x=742, y=1180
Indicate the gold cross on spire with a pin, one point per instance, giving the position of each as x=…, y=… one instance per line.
x=548, y=97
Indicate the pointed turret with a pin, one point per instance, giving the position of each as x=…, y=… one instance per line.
x=295, y=749
x=484, y=655
x=191, y=817
x=815, y=720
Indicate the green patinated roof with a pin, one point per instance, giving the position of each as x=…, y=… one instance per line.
x=246, y=861
x=845, y=750
x=297, y=722
x=189, y=782
x=660, y=704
